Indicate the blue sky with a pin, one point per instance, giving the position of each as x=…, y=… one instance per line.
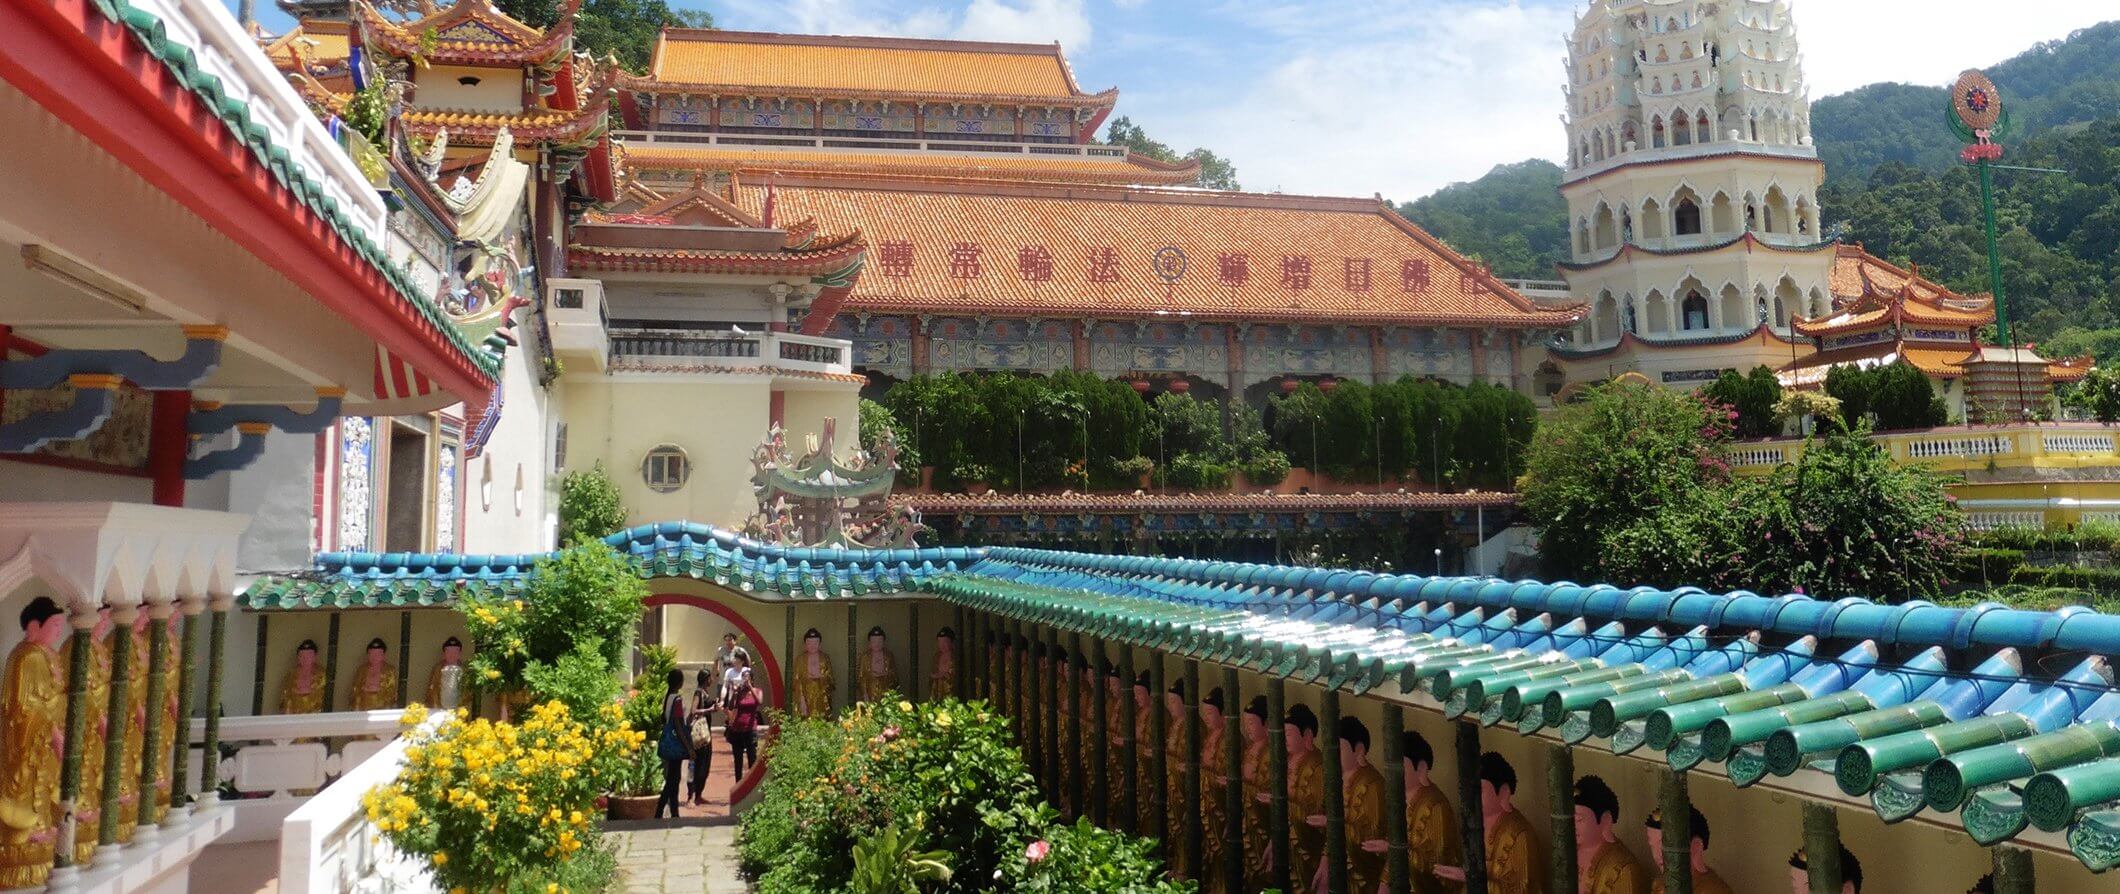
x=1355, y=97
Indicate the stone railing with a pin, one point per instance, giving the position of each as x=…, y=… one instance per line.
x=327, y=845
x=278, y=759
x=1964, y=448
x=674, y=350
x=223, y=49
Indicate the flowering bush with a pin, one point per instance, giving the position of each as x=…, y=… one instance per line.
x=566, y=636
x=492, y=804
x=943, y=778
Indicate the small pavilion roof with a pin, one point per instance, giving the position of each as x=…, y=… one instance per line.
x=1870, y=292
x=471, y=32
x=746, y=63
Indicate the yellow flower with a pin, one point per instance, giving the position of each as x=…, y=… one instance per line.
x=441, y=858
x=551, y=888
x=942, y=719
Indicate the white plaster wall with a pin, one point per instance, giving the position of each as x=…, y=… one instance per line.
x=522, y=445
x=37, y=483
x=278, y=492
x=497, y=90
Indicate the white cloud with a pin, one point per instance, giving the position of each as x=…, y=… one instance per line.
x=1022, y=21
x=1847, y=45
x=1027, y=21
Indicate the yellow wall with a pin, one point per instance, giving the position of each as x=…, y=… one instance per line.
x=716, y=423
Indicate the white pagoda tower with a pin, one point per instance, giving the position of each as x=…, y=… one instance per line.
x=1692, y=188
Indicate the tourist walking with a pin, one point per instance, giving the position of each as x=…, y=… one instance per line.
x=672, y=747
x=742, y=729
x=706, y=699
x=734, y=661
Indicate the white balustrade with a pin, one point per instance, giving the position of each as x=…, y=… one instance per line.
x=1759, y=455
x=279, y=758
x=1960, y=447
x=1988, y=521
x=327, y=845
x=222, y=48
x=676, y=350
x=2078, y=442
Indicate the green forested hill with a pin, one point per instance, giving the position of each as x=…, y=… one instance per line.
x=1513, y=218
x=2056, y=83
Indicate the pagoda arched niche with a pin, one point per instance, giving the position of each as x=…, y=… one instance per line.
x=1777, y=215
x=1739, y=311
x=1686, y=212
x=1693, y=296
x=1722, y=215
x=1806, y=213
x=1820, y=303
x=1605, y=323
x=1652, y=221
x=1659, y=137
x=1606, y=225
x=1582, y=237
x=1788, y=294
x=1656, y=313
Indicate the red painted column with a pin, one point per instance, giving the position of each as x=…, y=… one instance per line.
x=167, y=445
x=777, y=410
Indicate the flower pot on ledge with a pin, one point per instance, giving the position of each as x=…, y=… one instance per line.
x=631, y=807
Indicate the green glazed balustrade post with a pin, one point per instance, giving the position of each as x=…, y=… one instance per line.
x=1194, y=829
x=157, y=692
x=1233, y=806
x=331, y=664
x=1398, y=866
x=787, y=671
x=257, y=674
x=915, y=684
x=210, y=744
x=965, y=672
x=404, y=654
x=2013, y=871
x=77, y=714
x=187, y=685
x=1472, y=828
x=1277, y=830
x=1100, y=794
x=1335, y=795
x=1561, y=873
x=121, y=674
x=853, y=667
x=1821, y=844
x=1055, y=690
x=1676, y=804
x=1159, y=806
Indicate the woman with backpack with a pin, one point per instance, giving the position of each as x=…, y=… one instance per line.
x=742, y=730
x=706, y=699
x=673, y=747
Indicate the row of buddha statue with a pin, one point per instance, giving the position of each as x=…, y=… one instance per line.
x=1515, y=861
x=811, y=682
x=33, y=723
x=375, y=682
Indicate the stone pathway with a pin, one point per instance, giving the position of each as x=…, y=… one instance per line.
x=687, y=856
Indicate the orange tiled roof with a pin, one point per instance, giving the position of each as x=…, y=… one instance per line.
x=1100, y=244
x=756, y=160
x=471, y=32
x=1869, y=291
x=839, y=256
x=865, y=67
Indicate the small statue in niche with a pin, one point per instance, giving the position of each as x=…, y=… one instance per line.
x=878, y=673
x=1255, y=778
x=303, y=691
x=1705, y=881
x=32, y=744
x=1516, y=864
x=1144, y=703
x=1800, y=872
x=1604, y=865
x=942, y=681
x=445, y=684
x=1431, y=823
x=1214, y=785
x=1177, y=761
x=1363, y=816
x=1306, y=791
x=811, y=693
x=375, y=684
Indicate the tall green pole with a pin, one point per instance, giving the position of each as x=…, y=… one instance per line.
x=1994, y=246
x=1335, y=793
x=1277, y=819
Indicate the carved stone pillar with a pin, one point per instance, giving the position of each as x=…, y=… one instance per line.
x=114, y=769
x=152, y=760
x=187, y=684
x=82, y=616
x=210, y=744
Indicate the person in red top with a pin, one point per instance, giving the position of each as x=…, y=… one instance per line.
x=742, y=731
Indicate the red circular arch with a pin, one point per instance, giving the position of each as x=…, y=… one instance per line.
x=766, y=660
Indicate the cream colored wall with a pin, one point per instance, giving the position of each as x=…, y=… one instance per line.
x=497, y=90
x=521, y=447
x=717, y=420
x=805, y=412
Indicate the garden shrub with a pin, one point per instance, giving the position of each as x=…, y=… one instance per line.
x=942, y=779
x=566, y=636
x=496, y=807
x=1267, y=468
x=589, y=505
x=1194, y=472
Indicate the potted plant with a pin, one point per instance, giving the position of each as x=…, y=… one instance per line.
x=972, y=477
x=638, y=788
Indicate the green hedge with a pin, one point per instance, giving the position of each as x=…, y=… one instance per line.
x=2102, y=580
x=1436, y=432
x=890, y=792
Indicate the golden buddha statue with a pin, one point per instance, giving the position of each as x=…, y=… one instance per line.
x=812, y=690
x=95, y=696
x=1363, y=820
x=375, y=683
x=1705, y=881
x=1254, y=775
x=1306, y=793
x=1178, y=761
x=878, y=670
x=1214, y=788
x=1431, y=823
x=1516, y=862
x=1087, y=710
x=1144, y=764
x=942, y=680
x=1800, y=872
x=1064, y=713
x=445, y=683
x=1604, y=865
x=1115, y=745
x=303, y=691
x=32, y=742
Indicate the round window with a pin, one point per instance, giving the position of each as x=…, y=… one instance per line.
x=665, y=468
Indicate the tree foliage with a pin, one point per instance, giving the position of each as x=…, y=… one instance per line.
x=1216, y=172
x=622, y=28
x=1892, y=396
x=1632, y=486
x=2097, y=395
x=1514, y=218
x=1026, y=431
x=589, y=506
x=1752, y=396
x=1438, y=433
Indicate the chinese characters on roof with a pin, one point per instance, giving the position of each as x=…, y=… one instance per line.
x=964, y=260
